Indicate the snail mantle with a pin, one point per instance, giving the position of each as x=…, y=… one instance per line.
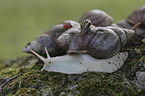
x=79, y=63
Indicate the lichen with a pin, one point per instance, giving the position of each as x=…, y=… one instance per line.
x=33, y=81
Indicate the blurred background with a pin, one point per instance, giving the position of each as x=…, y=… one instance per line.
x=21, y=21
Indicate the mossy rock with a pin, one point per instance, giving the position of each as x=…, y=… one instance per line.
x=30, y=80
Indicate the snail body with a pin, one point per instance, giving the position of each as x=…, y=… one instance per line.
x=48, y=40
x=99, y=42
x=97, y=17
x=79, y=63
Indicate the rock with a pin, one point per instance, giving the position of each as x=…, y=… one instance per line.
x=140, y=80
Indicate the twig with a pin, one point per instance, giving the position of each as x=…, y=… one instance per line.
x=8, y=81
x=20, y=84
x=135, y=26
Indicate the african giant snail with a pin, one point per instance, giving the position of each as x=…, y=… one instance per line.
x=99, y=42
x=48, y=40
x=79, y=63
x=137, y=19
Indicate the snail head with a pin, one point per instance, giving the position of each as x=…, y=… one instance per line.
x=85, y=24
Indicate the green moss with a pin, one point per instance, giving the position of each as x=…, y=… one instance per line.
x=101, y=84
x=34, y=82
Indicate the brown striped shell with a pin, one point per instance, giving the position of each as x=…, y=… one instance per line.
x=97, y=17
x=99, y=42
x=137, y=16
x=48, y=40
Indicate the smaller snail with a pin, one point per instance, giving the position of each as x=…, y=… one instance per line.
x=79, y=63
x=137, y=16
x=48, y=40
x=97, y=17
x=64, y=39
x=135, y=21
x=99, y=42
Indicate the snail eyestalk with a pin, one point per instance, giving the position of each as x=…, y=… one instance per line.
x=42, y=58
x=48, y=56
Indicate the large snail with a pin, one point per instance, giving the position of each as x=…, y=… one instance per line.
x=99, y=42
x=89, y=48
x=48, y=40
x=111, y=39
x=68, y=29
x=97, y=17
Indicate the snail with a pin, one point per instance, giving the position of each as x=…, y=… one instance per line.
x=79, y=63
x=97, y=17
x=137, y=16
x=135, y=21
x=64, y=39
x=99, y=42
x=48, y=40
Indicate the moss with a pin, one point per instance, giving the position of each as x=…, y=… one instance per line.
x=34, y=82
x=101, y=84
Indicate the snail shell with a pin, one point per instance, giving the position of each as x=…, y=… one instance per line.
x=48, y=40
x=97, y=17
x=64, y=39
x=139, y=32
x=99, y=42
x=137, y=16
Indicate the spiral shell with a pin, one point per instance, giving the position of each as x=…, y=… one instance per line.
x=100, y=42
x=139, y=31
x=48, y=40
x=137, y=16
x=65, y=39
x=97, y=17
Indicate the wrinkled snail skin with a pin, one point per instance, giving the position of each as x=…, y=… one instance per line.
x=97, y=17
x=100, y=42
